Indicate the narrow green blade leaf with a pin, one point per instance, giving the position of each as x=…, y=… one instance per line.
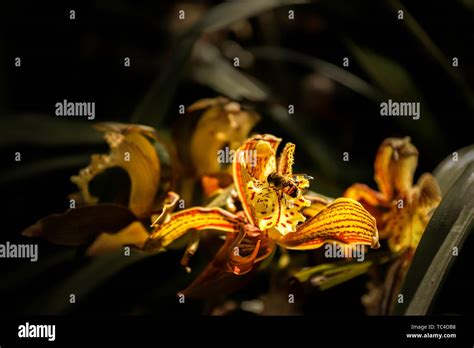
x=31, y=129
x=448, y=228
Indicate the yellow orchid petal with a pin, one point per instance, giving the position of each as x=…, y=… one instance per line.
x=401, y=209
x=132, y=151
x=427, y=192
x=134, y=234
x=363, y=193
x=400, y=227
x=193, y=218
x=406, y=225
x=273, y=208
x=271, y=196
x=285, y=163
x=254, y=160
x=374, y=202
x=395, y=165
x=344, y=221
x=223, y=123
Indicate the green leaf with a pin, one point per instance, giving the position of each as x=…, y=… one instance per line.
x=153, y=109
x=448, y=228
x=26, y=273
x=319, y=152
x=337, y=74
x=31, y=129
x=449, y=170
x=213, y=70
x=396, y=82
x=433, y=51
x=227, y=82
x=328, y=275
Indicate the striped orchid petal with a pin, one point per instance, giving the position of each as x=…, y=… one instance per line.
x=193, y=218
x=343, y=221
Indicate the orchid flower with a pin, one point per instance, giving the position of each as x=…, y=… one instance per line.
x=106, y=227
x=272, y=200
x=402, y=209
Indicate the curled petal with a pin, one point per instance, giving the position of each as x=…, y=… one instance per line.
x=131, y=150
x=428, y=192
x=365, y=195
x=168, y=206
x=223, y=123
x=233, y=265
x=249, y=246
x=254, y=160
x=286, y=160
x=193, y=218
x=344, y=221
x=406, y=226
x=241, y=264
x=215, y=279
x=395, y=166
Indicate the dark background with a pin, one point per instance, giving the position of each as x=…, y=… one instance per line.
x=82, y=60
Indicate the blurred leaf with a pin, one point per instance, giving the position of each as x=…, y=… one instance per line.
x=81, y=225
x=155, y=105
x=397, y=83
x=449, y=170
x=469, y=4
x=318, y=150
x=213, y=70
x=229, y=12
x=31, y=129
x=448, y=228
x=27, y=170
x=82, y=283
x=328, y=275
x=327, y=69
x=433, y=50
x=26, y=273
x=315, y=145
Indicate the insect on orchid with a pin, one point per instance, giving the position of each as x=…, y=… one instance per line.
x=272, y=202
